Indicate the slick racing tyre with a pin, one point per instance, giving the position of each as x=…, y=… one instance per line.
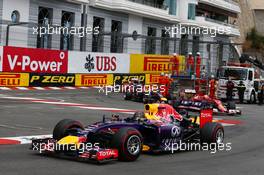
x=253, y=98
x=61, y=128
x=128, y=141
x=127, y=96
x=231, y=105
x=212, y=133
x=139, y=115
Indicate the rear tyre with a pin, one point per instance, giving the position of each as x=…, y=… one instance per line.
x=63, y=126
x=128, y=141
x=231, y=105
x=212, y=133
x=127, y=96
x=252, y=99
x=138, y=115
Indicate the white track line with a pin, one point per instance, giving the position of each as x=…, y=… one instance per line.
x=5, y=88
x=27, y=139
x=22, y=88
x=77, y=105
x=84, y=87
x=55, y=88
x=39, y=88
x=70, y=88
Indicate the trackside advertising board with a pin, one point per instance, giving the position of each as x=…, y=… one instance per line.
x=14, y=79
x=17, y=59
x=152, y=78
x=91, y=62
x=1, y=58
x=57, y=80
x=140, y=63
x=93, y=79
x=120, y=79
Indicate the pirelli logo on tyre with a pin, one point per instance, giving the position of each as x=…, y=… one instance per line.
x=52, y=80
x=14, y=79
x=152, y=78
x=94, y=79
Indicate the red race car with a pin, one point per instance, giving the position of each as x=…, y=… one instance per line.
x=199, y=102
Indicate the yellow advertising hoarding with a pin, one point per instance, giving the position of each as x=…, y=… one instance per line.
x=152, y=78
x=93, y=79
x=14, y=79
x=140, y=63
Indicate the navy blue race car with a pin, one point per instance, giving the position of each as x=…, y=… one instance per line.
x=154, y=130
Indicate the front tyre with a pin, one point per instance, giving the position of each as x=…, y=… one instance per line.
x=128, y=141
x=60, y=130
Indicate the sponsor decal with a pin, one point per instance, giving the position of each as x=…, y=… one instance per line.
x=140, y=63
x=34, y=60
x=160, y=64
x=14, y=79
x=52, y=80
x=175, y=131
x=206, y=116
x=120, y=79
x=94, y=79
x=88, y=62
x=1, y=58
x=107, y=154
x=152, y=78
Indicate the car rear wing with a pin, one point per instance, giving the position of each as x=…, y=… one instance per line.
x=206, y=116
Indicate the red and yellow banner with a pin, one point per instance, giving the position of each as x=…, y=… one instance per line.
x=140, y=63
x=152, y=78
x=14, y=79
x=93, y=79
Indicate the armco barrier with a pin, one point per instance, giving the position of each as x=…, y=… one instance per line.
x=43, y=67
x=79, y=80
x=14, y=79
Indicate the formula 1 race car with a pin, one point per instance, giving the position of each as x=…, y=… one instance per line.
x=154, y=130
x=199, y=102
x=134, y=90
x=139, y=92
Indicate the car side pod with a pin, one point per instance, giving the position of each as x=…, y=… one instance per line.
x=206, y=116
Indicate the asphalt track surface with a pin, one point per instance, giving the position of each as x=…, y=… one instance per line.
x=22, y=118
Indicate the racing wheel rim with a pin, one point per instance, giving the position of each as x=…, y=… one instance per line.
x=133, y=145
x=219, y=136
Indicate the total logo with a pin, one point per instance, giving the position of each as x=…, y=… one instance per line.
x=107, y=153
x=100, y=63
x=40, y=61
